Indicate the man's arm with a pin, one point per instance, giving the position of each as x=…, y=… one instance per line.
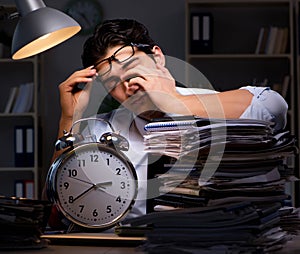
x=73, y=102
x=229, y=104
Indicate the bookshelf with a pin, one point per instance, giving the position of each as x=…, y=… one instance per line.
x=233, y=54
x=234, y=32
x=18, y=166
x=297, y=85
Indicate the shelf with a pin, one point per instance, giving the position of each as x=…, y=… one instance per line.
x=239, y=2
x=18, y=131
x=226, y=56
x=9, y=60
x=236, y=24
x=241, y=56
x=222, y=38
x=29, y=114
x=14, y=169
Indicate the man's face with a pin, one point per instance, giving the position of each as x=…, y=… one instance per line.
x=117, y=80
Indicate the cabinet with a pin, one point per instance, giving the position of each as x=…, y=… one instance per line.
x=228, y=53
x=12, y=171
x=297, y=91
x=15, y=169
x=230, y=60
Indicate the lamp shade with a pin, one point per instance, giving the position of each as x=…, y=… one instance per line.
x=40, y=28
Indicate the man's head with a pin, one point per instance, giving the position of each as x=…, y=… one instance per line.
x=125, y=57
x=111, y=33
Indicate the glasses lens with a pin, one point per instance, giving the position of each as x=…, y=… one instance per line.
x=104, y=67
x=121, y=55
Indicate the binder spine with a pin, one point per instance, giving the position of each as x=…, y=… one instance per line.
x=24, y=146
x=167, y=126
x=201, y=33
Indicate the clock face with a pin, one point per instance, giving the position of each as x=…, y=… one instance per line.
x=94, y=186
x=88, y=13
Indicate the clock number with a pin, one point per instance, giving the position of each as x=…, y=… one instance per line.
x=108, y=209
x=107, y=161
x=95, y=213
x=122, y=185
x=71, y=199
x=72, y=172
x=94, y=158
x=66, y=185
x=81, y=208
x=118, y=171
x=81, y=163
x=118, y=199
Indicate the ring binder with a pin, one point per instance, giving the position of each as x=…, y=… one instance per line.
x=188, y=122
x=170, y=125
x=201, y=33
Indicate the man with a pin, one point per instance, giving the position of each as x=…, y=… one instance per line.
x=132, y=69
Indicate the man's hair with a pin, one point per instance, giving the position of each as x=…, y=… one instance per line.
x=111, y=33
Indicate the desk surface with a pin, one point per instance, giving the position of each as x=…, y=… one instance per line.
x=93, y=243
x=86, y=243
x=292, y=247
x=63, y=249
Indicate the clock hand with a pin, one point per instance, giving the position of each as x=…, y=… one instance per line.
x=83, y=193
x=100, y=185
x=94, y=186
x=81, y=180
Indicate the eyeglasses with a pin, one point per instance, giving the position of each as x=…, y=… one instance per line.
x=120, y=55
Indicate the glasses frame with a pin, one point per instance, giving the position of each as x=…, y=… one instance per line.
x=113, y=56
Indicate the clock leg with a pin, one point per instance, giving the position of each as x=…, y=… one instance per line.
x=71, y=227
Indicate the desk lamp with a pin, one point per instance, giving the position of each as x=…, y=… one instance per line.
x=40, y=28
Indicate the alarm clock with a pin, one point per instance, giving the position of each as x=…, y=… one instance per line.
x=93, y=184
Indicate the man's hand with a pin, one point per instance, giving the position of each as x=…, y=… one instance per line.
x=73, y=99
x=156, y=81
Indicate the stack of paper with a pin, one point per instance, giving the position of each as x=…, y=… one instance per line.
x=237, y=228
x=180, y=138
x=231, y=174
x=22, y=222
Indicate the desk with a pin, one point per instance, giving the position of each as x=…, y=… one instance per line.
x=292, y=247
x=86, y=243
x=62, y=249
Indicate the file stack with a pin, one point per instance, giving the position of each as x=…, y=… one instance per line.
x=223, y=189
x=22, y=222
x=234, y=228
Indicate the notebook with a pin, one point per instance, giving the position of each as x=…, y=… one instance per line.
x=188, y=122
